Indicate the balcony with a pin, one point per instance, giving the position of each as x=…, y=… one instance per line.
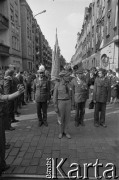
x=4, y=22
x=4, y=50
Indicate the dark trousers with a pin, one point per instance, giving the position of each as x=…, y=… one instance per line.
x=80, y=111
x=11, y=111
x=29, y=91
x=2, y=143
x=15, y=105
x=42, y=111
x=99, y=113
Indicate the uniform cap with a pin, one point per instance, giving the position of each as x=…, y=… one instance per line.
x=80, y=71
x=41, y=69
x=64, y=73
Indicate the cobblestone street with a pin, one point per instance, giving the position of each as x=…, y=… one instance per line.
x=32, y=145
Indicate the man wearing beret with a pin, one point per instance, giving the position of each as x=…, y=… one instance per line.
x=101, y=95
x=80, y=90
x=42, y=95
x=63, y=100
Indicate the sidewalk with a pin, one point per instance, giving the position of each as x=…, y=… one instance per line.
x=32, y=145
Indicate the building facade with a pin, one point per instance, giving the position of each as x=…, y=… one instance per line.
x=22, y=43
x=10, y=34
x=27, y=36
x=98, y=43
x=46, y=52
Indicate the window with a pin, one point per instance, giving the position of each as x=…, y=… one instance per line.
x=92, y=43
x=12, y=13
x=29, y=50
x=30, y=35
x=97, y=13
x=27, y=15
x=103, y=3
x=16, y=18
x=15, y=43
x=108, y=26
x=92, y=31
x=28, y=32
x=16, y=3
x=96, y=38
x=102, y=32
x=93, y=8
x=116, y=16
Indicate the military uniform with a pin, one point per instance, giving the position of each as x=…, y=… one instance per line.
x=80, y=90
x=63, y=99
x=42, y=95
x=101, y=94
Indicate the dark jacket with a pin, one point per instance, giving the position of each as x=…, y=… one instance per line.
x=15, y=84
x=3, y=97
x=60, y=93
x=8, y=85
x=41, y=90
x=102, y=90
x=80, y=90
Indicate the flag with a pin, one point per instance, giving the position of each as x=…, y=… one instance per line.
x=55, y=60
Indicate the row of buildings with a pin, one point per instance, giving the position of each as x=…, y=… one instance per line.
x=98, y=42
x=22, y=42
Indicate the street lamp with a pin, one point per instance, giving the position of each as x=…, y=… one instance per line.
x=40, y=13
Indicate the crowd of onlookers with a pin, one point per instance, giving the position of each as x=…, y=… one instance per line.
x=12, y=81
x=111, y=75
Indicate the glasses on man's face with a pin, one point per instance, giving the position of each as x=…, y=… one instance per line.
x=41, y=73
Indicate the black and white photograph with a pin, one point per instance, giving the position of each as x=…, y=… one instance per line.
x=59, y=89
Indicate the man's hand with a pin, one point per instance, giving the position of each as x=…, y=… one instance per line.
x=21, y=89
x=94, y=101
x=48, y=102
x=56, y=110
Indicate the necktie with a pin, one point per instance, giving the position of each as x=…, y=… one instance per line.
x=67, y=89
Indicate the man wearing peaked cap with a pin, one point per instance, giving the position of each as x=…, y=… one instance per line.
x=63, y=100
x=64, y=73
x=80, y=90
x=42, y=95
x=80, y=71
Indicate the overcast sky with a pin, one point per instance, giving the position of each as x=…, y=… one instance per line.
x=65, y=15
